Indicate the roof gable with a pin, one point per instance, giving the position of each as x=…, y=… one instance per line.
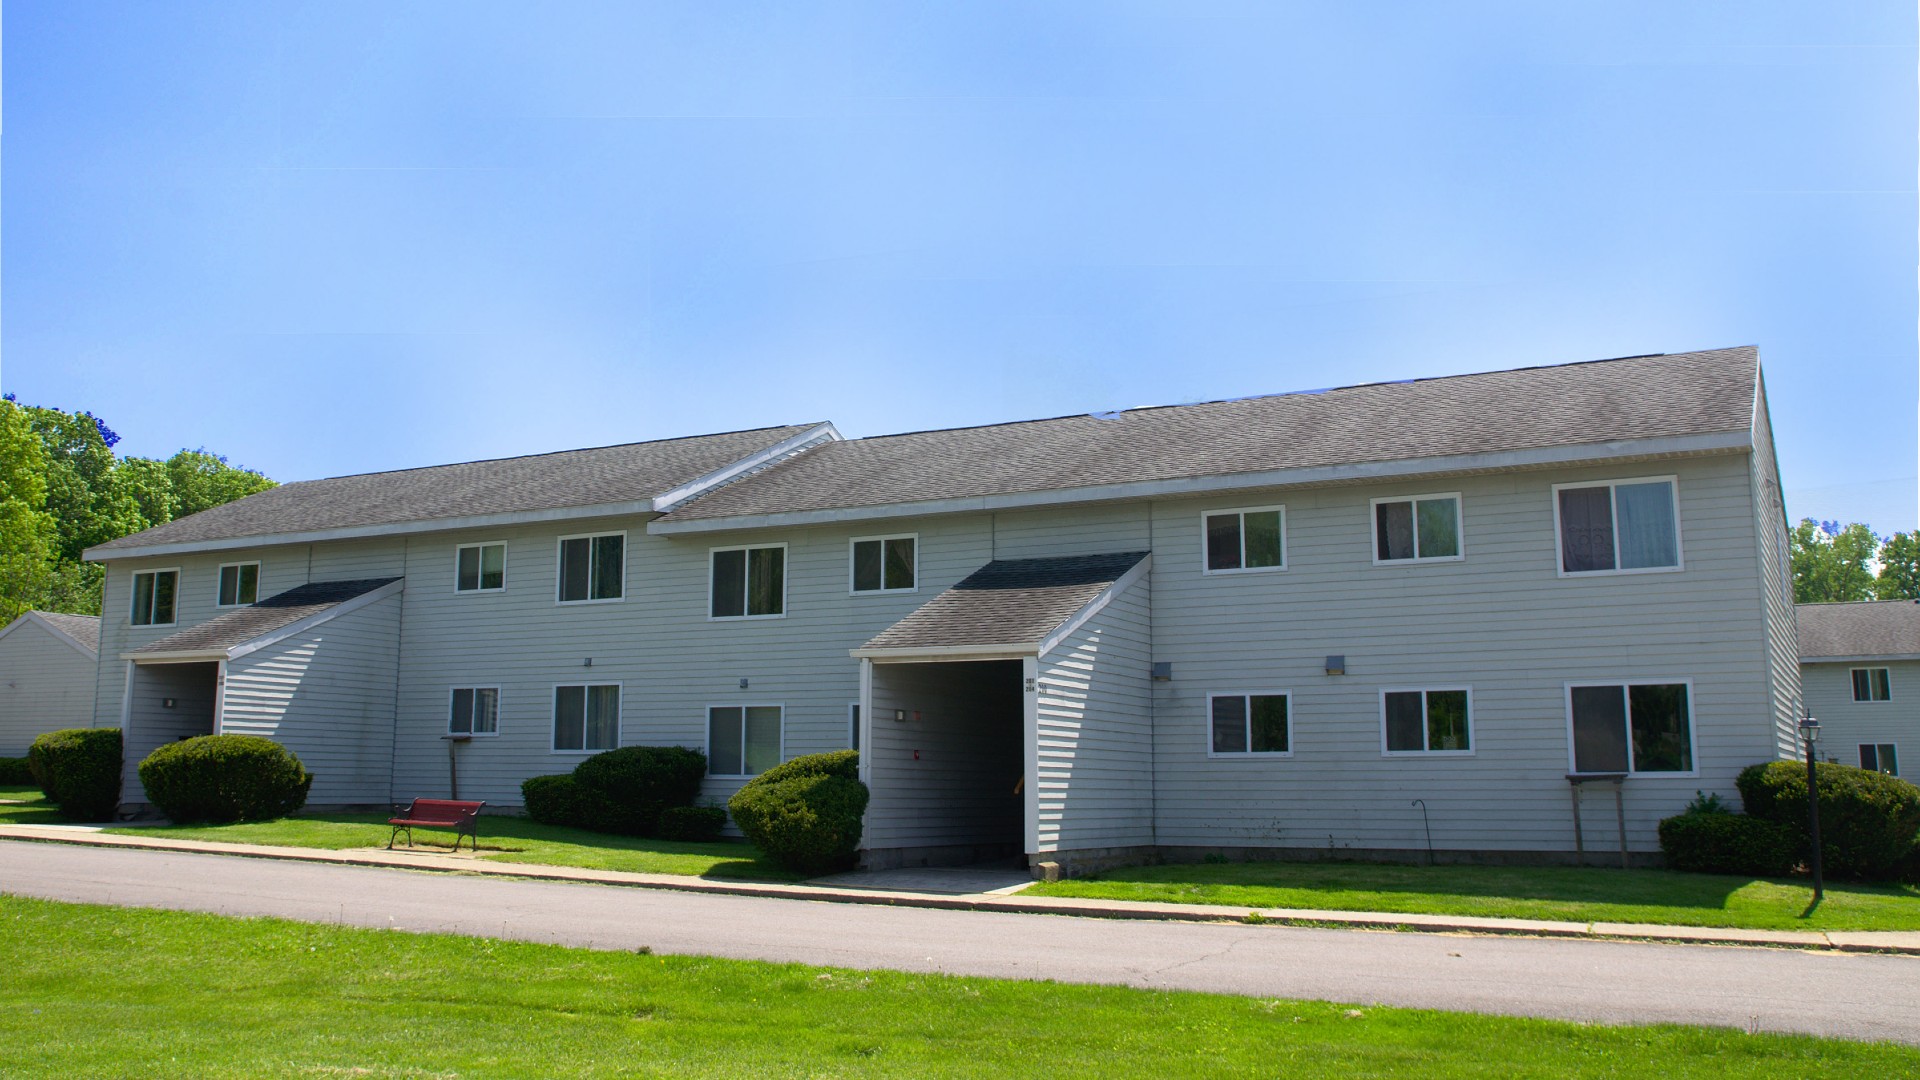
x=82, y=632
x=1016, y=604
x=307, y=603
x=1858, y=631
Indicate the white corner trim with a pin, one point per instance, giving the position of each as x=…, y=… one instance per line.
x=726, y=474
x=278, y=634
x=1362, y=472
x=1093, y=607
x=47, y=624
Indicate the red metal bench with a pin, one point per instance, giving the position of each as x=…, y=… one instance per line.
x=462, y=817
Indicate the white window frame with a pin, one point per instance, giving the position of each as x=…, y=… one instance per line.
x=1243, y=511
x=1693, y=724
x=559, y=568
x=1559, y=543
x=499, y=696
x=706, y=733
x=1248, y=755
x=220, y=576
x=553, y=718
x=1894, y=746
x=1473, y=737
x=882, y=591
x=1870, y=699
x=133, y=584
x=786, y=579
x=1459, y=527
x=502, y=545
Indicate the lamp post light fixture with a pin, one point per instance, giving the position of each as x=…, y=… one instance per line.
x=1810, y=734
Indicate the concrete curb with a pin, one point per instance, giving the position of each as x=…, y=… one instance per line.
x=1899, y=942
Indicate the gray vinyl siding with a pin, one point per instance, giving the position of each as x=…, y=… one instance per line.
x=1846, y=723
x=1095, y=731
x=151, y=723
x=945, y=776
x=1776, y=585
x=45, y=684
x=327, y=694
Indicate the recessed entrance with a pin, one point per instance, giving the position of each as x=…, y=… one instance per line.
x=165, y=703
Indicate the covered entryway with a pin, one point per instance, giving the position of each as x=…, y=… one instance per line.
x=1009, y=717
x=166, y=702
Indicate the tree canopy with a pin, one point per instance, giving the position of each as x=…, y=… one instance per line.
x=1833, y=563
x=64, y=490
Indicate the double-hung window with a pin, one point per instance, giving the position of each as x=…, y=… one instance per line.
x=1624, y=525
x=1872, y=684
x=1248, y=539
x=1880, y=757
x=239, y=584
x=592, y=568
x=475, y=711
x=154, y=592
x=743, y=740
x=586, y=717
x=883, y=564
x=749, y=582
x=1634, y=727
x=1426, y=721
x=1249, y=724
x=1418, y=529
x=483, y=568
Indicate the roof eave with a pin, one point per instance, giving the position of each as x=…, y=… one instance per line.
x=1863, y=658
x=935, y=653
x=1495, y=461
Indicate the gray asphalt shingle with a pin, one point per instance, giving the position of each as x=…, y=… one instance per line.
x=1012, y=602
x=1868, y=628
x=84, y=629
x=242, y=625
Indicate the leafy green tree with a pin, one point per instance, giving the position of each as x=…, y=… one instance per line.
x=1899, y=568
x=28, y=533
x=1830, y=563
x=86, y=503
x=200, y=480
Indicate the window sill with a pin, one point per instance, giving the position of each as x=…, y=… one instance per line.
x=1621, y=573
x=1233, y=571
x=473, y=734
x=585, y=603
x=1421, y=560
x=1249, y=755
x=503, y=588
x=744, y=618
x=883, y=592
x=1426, y=753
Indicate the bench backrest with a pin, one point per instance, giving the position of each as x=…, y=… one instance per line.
x=443, y=809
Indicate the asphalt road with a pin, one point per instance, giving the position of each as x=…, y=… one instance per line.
x=1845, y=995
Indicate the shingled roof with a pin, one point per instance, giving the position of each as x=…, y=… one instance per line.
x=1872, y=628
x=235, y=628
x=1008, y=602
x=84, y=629
x=1642, y=397
x=633, y=472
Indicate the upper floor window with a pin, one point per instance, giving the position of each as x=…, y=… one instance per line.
x=1617, y=526
x=749, y=582
x=1426, y=721
x=1872, y=684
x=153, y=597
x=239, y=584
x=586, y=717
x=1631, y=727
x=884, y=564
x=1880, y=757
x=592, y=567
x=1249, y=539
x=483, y=568
x=1249, y=724
x=1415, y=529
x=476, y=711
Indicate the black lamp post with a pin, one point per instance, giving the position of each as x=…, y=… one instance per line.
x=1810, y=734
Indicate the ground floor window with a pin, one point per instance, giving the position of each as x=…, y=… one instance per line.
x=586, y=717
x=1426, y=721
x=1249, y=723
x=743, y=740
x=1880, y=757
x=1631, y=727
x=476, y=711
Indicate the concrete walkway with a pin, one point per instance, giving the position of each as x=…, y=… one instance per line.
x=1614, y=982
x=996, y=892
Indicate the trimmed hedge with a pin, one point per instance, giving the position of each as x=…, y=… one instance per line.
x=805, y=814
x=621, y=791
x=699, y=823
x=79, y=770
x=1868, y=820
x=225, y=778
x=14, y=772
x=1723, y=843
x=561, y=800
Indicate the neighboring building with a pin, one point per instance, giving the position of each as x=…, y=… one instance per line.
x=1860, y=673
x=1332, y=621
x=48, y=664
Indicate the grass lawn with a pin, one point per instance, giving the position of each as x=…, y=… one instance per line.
x=206, y=996
x=1572, y=893
x=502, y=839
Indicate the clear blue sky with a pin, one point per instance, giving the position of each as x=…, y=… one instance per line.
x=336, y=237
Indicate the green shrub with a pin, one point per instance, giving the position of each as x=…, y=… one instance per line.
x=79, y=770
x=14, y=772
x=560, y=800
x=1717, y=842
x=691, y=823
x=223, y=778
x=805, y=814
x=638, y=783
x=1868, y=820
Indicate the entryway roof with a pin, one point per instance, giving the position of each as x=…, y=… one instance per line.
x=1010, y=604
x=220, y=635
